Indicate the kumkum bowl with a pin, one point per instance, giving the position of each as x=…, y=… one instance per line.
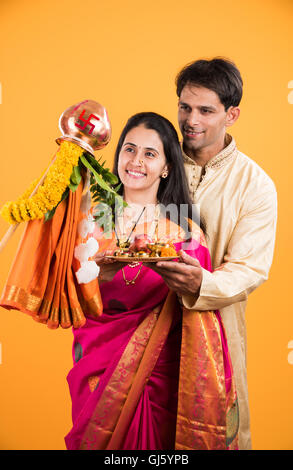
x=87, y=125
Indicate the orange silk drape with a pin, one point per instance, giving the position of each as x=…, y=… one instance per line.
x=41, y=281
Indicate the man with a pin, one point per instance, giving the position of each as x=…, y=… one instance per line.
x=238, y=203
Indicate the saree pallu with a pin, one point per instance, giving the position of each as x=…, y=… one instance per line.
x=149, y=374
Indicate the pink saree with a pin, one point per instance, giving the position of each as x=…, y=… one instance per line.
x=149, y=374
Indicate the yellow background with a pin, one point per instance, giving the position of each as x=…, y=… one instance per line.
x=126, y=55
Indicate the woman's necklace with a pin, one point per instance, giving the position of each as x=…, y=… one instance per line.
x=135, y=264
x=129, y=282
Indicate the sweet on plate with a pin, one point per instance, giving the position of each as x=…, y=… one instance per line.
x=143, y=246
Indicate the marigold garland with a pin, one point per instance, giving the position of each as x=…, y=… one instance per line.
x=49, y=194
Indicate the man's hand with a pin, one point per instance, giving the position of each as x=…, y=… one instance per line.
x=184, y=278
x=108, y=267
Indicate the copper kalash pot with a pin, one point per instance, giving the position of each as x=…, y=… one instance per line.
x=87, y=125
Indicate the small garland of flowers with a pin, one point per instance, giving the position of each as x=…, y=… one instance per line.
x=50, y=193
x=63, y=175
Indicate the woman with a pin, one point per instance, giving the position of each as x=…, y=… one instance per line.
x=148, y=373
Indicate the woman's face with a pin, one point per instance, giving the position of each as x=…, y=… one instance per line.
x=142, y=161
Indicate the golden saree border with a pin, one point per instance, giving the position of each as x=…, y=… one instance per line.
x=146, y=366
x=105, y=416
x=202, y=401
x=17, y=297
x=44, y=310
x=40, y=309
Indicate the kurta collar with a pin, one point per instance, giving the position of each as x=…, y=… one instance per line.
x=221, y=158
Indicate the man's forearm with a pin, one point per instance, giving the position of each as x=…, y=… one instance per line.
x=222, y=288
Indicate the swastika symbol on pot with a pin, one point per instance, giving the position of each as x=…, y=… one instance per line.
x=87, y=122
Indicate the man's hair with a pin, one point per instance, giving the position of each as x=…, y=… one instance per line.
x=219, y=75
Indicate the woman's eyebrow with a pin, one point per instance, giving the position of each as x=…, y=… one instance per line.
x=130, y=143
x=146, y=148
x=151, y=148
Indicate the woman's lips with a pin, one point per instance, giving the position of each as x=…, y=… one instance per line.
x=135, y=174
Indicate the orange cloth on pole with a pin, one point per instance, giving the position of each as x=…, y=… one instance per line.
x=41, y=281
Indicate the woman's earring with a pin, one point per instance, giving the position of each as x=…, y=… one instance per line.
x=164, y=174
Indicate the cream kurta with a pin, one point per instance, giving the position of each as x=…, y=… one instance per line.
x=238, y=202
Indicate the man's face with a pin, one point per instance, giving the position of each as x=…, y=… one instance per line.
x=202, y=119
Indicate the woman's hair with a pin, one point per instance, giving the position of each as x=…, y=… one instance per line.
x=219, y=75
x=174, y=188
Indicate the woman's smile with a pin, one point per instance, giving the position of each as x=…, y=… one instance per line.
x=135, y=173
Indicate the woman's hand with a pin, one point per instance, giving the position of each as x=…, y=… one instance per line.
x=108, y=267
